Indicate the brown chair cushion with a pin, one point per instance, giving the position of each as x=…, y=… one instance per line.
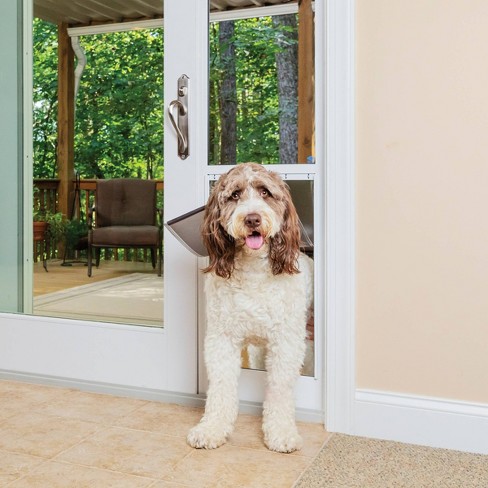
x=140, y=235
x=124, y=201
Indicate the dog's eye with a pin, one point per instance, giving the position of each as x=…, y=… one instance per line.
x=236, y=195
x=264, y=192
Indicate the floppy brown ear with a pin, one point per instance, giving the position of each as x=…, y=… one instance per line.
x=285, y=246
x=220, y=245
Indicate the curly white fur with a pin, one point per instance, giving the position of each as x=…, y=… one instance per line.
x=254, y=304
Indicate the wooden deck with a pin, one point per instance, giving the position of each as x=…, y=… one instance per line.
x=59, y=277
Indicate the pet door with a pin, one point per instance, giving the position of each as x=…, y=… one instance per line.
x=187, y=228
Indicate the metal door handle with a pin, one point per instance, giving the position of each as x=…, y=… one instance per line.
x=182, y=140
x=180, y=123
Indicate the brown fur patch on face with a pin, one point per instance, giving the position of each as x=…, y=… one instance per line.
x=233, y=187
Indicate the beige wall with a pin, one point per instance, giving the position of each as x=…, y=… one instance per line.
x=422, y=197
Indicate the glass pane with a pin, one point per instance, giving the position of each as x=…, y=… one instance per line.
x=261, y=91
x=117, y=134
x=11, y=84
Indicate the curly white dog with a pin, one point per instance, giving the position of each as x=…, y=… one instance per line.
x=258, y=288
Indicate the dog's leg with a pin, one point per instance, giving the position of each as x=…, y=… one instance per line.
x=223, y=361
x=283, y=364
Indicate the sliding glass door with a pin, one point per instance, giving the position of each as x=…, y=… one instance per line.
x=253, y=55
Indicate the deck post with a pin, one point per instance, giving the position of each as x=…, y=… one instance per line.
x=65, y=153
x=306, y=88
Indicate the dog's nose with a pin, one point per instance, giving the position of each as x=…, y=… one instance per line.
x=253, y=220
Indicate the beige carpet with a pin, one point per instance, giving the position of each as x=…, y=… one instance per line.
x=356, y=462
x=133, y=299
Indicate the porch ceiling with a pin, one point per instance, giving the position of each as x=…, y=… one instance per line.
x=86, y=12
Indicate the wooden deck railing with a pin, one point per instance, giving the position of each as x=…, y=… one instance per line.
x=45, y=195
x=46, y=200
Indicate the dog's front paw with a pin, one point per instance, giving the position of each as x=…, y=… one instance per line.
x=206, y=436
x=283, y=441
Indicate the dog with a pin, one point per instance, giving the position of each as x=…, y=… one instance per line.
x=258, y=290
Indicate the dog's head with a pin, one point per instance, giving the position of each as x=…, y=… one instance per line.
x=250, y=210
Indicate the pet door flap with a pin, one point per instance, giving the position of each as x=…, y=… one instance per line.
x=187, y=229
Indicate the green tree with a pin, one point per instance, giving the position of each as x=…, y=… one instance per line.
x=257, y=44
x=287, y=76
x=45, y=99
x=119, y=108
x=228, y=97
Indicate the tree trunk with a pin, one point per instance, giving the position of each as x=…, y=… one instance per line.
x=214, y=101
x=287, y=73
x=228, y=94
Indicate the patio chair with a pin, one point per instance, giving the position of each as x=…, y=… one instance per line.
x=125, y=216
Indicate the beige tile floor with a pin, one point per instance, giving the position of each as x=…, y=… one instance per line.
x=52, y=437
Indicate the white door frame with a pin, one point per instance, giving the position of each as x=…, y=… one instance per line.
x=339, y=73
x=27, y=343
x=186, y=189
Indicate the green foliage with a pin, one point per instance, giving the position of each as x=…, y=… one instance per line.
x=45, y=99
x=256, y=43
x=74, y=231
x=60, y=229
x=119, y=111
x=119, y=108
x=56, y=226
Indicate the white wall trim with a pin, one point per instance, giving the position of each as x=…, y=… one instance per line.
x=340, y=207
x=427, y=421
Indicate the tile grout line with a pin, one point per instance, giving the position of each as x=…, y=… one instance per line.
x=40, y=463
x=151, y=481
x=51, y=459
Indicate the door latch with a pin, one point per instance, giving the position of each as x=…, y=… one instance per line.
x=180, y=122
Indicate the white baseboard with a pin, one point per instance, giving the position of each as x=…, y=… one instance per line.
x=185, y=399
x=432, y=422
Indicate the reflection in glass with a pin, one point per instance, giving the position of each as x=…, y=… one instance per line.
x=261, y=91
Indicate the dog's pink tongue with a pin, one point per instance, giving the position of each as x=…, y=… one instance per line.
x=254, y=241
